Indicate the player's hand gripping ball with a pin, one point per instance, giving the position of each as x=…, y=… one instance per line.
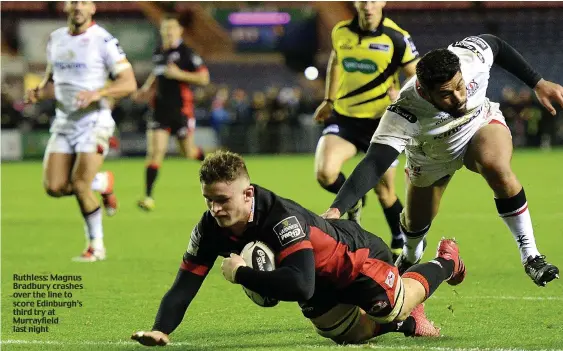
x=259, y=256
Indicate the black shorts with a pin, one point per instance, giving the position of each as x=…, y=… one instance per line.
x=375, y=289
x=357, y=131
x=177, y=124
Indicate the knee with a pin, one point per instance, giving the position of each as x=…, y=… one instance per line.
x=497, y=172
x=327, y=176
x=55, y=189
x=384, y=192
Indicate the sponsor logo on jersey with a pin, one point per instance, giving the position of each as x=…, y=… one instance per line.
x=478, y=41
x=379, y=47
x=410, y=43
x=443, y=117
x=471, y=47
x=402, y=112
x=472, y=88
x=69, y=65
x=347, y=45
x=460, y=126
x=365, y=66
x=289, y=230
x=173, y=57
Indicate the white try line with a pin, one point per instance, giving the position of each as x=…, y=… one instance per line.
x=368, y=346
x=499, y=297
x=429, y=348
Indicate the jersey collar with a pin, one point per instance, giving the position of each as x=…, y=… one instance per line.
x=90, y=26
x=354, y=26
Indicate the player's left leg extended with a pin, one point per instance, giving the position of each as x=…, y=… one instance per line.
x=489, y=154
x=392, y=208
x=86, y=166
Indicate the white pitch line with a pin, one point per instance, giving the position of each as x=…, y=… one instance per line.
x=500, y=297
x=369, y=346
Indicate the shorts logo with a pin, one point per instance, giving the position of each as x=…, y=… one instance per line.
x=402, y=112
x=379, y=47
x=331, y=129
x=289, y=230
x=390, y=280
x=378, y=307
x=352, y=65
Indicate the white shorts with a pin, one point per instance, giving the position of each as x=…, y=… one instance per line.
x=89, y=135
x=427, y=172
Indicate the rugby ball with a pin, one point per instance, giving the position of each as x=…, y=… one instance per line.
x=257, y=255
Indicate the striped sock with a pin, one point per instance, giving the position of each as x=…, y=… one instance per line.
x=515, y=214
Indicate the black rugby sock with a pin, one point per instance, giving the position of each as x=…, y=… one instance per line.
x=150, y=178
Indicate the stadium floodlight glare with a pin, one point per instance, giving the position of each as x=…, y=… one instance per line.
x=311, y=73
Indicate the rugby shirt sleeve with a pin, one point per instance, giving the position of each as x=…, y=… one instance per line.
x=411, y=53
x=511, y=60
x=294, y=277
x=115, y=59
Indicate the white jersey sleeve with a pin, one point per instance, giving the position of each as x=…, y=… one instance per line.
x=397, y=127
x=114, y=56
x=472, y=48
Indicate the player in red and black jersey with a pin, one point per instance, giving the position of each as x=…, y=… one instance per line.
x=177, y=68
x=341, y=275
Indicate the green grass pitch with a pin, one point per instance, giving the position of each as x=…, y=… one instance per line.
x=496, y=308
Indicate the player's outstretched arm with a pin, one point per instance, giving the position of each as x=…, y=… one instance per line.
x=512, y=61
x=172, y=309
x=365, y=177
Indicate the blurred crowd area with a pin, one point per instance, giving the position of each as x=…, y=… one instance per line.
x=259, y=100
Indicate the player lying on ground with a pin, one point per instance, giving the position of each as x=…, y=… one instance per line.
x=80, y=58
x=341, y=275
x=356, y=97
x=177, y=69
x=443, y=120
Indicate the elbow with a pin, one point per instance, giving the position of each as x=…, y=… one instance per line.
x=305, y=290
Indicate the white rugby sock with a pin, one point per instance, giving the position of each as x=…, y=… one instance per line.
x=94, y=229
x=414, y=244
x=515, y=214
x=100, y=182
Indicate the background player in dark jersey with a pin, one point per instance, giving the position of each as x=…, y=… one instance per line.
x=176, y=68
x=341, y=275
x=362, y=80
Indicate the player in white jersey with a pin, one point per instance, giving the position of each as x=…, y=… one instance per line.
x=80, y=58
x=443, y=120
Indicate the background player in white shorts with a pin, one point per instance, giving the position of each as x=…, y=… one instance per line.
x=80, y=59
x=443, y=120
